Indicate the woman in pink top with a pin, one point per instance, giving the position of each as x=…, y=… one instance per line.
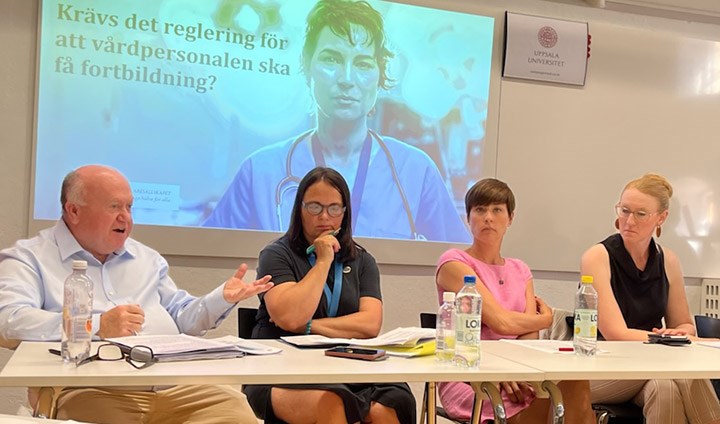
x=510, y=308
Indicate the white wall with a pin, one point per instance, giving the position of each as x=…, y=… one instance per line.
x=407, y=290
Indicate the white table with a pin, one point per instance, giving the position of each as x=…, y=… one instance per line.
x=618, y=361
x=33, y=366
x=615, y=361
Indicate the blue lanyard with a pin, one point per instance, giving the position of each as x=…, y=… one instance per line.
x=359, y=186
x=334, y=297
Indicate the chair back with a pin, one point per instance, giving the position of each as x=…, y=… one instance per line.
x=561, y=327
x=707, y=326
x=428, y=320
x=246, y=322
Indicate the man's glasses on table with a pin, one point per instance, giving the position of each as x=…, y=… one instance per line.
x=138, y=356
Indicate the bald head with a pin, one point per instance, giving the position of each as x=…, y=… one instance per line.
x=97, y=202
x=73, y=186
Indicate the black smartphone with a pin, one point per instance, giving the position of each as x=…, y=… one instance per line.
x=361, y=353
x=668, y=340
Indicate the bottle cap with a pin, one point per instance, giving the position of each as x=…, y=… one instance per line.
x=448, y=296
x=79, y=265
x=586, y=279
x=469, y=279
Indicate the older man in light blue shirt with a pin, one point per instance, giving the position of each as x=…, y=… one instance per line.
x=133, y=294
x=134, y=279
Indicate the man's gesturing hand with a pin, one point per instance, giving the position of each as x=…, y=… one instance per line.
x=236, y=289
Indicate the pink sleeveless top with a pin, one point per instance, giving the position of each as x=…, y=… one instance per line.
x=507, y=283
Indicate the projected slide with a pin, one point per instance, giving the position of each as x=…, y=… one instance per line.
x=215, y=110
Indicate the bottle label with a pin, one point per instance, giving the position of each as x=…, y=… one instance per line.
x=586, y=322
x=467, y=329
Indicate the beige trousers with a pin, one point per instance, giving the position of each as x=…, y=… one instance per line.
x=663, y=401
x=178, y=404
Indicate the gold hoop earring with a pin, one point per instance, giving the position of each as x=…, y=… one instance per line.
x=617, y=223
x=658, y=231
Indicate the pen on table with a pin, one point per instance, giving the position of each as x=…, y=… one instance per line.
x=55, y=352
x=566, y=349
x=311, y=248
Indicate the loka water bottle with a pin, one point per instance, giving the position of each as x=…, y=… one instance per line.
x=445, y=329
x=77, y=314
x=468, y=310
x=586, y=318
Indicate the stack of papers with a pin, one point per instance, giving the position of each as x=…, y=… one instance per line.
x=408, y=337
x=181, y=347
x=250, y=347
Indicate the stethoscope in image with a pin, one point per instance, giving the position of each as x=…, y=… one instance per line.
x=291, y=182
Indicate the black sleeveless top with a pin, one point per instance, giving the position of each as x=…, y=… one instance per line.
x=641, y=295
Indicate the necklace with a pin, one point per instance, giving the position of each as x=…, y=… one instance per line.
x=500, y=273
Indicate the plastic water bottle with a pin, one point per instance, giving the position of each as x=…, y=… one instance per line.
x=586, y=318
x=77, y=314
x=468, y=312
x=445, y=329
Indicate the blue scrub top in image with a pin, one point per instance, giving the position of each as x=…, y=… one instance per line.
x=262, y=188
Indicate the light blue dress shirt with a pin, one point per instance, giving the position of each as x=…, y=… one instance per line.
x=32, y=273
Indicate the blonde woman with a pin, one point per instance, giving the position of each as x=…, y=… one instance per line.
x=639, y=284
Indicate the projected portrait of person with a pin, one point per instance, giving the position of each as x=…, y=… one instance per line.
x=396, y=189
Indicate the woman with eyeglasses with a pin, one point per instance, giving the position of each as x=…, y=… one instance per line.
x=639, y=285
x=325, y=284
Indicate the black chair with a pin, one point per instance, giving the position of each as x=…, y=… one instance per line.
x=246, y=322
x=620, y=413
x=428, y=320
x=709, y=327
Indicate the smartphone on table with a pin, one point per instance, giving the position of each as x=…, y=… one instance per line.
x=361, y=353
x=668, y=339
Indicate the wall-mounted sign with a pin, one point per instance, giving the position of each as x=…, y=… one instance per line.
x=545, y=49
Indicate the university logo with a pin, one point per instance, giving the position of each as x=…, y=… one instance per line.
x=547, y=37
